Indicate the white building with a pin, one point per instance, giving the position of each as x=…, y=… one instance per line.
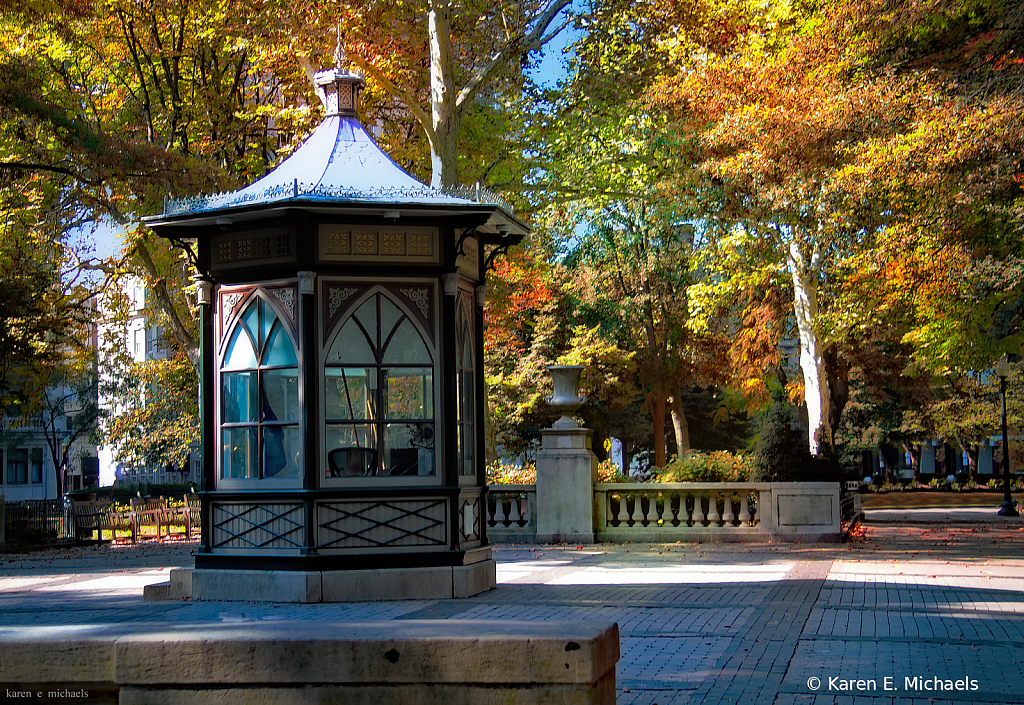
x=142, y=340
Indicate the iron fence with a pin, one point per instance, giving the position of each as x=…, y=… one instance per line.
x=36, y=522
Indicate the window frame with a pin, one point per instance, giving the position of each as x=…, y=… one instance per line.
x=228, y=324
x=381, y=421
x=9, y=464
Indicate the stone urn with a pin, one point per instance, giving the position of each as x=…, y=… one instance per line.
x=566, y=399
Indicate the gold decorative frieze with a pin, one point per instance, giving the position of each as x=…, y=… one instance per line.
x=384, y=243
x=338, y=243
x=420, y=244
x=392, y=243
x=365, y=243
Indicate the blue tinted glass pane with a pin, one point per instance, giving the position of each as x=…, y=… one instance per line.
x=267, y=319
x=351, y=347
x=348, y=393
x=281, y=452
x=281, y=395
x=240, y=355
x=407, y=347
x=279, y=352
x=250, y=319
x=408, y=449
x=240, y=453
x=367, y=315
x=238, y=397
x=409, y=393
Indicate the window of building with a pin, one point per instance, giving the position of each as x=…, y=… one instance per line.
x=17, y=466
x=379, y=387
x=260, y=399
x=466, y=402
x=35, y=465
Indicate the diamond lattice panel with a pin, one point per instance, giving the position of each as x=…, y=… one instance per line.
x=381, y=524
x=469, y=514
x=257, y=525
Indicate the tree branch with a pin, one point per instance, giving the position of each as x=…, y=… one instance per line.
x=517, y=47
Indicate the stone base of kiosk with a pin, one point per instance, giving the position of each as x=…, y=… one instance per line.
x=435, y=583
x=294, y=663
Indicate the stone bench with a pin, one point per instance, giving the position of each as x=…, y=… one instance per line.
x=453, y=662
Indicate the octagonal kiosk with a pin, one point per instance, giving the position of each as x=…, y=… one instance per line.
x=341, y=375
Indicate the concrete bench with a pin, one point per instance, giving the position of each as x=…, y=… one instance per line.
x=450, y=662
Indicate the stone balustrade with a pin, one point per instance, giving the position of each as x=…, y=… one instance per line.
x=512, y=513
x=679, y=511
x=684, y=511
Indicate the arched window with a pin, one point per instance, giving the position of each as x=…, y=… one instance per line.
x=379, y=387
x=466, y=410
x=259, y=399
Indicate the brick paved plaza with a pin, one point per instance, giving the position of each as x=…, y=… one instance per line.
x=934, y=613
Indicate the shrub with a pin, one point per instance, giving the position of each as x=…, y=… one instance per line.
x=781, y=453
x=716, y=466
x=499, y=473
x=608, y=471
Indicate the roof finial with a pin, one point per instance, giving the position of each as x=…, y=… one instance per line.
x=339, y=52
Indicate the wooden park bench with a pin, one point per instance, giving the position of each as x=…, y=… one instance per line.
x=159, y=513
x=98, y=517
x=152, y=512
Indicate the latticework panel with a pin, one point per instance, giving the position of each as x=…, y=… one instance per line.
x=258, y=525
x=381, y=524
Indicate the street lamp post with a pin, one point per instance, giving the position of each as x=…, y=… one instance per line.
x=1008, y=508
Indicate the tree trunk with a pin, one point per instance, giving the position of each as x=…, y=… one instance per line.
x=657, y=402
x=444, y=112
x=805, y=305
x=681, y=428
x=837, y=372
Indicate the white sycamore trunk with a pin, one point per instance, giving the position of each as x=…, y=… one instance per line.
x=805, y=271
x=445, y=113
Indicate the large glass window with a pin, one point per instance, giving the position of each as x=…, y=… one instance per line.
x=466, y=410
x=17, y=466
x=379, y=386
x=35, y=464
x=260, y=399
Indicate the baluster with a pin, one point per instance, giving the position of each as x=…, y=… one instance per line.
x=698, y=509
x=515, y=514
x=744, y=507
x=713, y=516
x=622, y=516
x=670, y=513
x=652, y=508
x=637, y=515
x=727, y=516
x=757, y=508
